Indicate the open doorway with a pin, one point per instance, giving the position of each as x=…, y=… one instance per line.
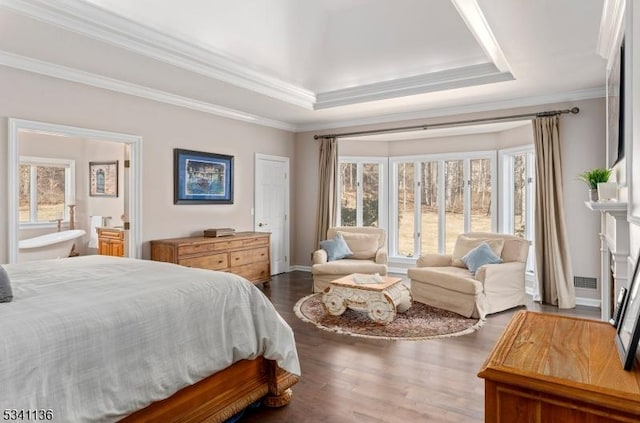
x=65, y=178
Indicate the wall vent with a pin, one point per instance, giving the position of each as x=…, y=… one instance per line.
x=586, y=283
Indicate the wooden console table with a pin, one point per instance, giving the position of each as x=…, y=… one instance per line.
x=551, y=368
x=245, y=254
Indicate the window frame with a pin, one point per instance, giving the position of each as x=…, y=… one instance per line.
x=69, y=166
x=506, y=206
x=440, y=158
x=359, y=161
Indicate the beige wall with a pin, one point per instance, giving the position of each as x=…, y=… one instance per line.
x=163, y=128
x=583, y=146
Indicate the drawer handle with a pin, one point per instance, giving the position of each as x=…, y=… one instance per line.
x=237, y=258
x=220, y=261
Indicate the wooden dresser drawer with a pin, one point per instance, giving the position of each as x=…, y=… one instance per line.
x=184, y=250
x=253, y=272
x=249, y=256
x=254, y=242
x=244, y=253
x=212, y=262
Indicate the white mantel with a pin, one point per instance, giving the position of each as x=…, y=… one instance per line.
x=614, y=244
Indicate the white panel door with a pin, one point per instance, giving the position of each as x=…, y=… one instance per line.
x=272, y=207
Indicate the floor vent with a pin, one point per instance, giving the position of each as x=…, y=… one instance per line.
x=586, y=283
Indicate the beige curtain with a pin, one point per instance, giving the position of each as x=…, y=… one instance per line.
x=553, y=263
x=327, y=193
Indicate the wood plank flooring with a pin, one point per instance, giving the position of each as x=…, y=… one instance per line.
x=348, y=379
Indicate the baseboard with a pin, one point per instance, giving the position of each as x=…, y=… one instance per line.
x=581, y=301
x=300, y=268
x=588, y=302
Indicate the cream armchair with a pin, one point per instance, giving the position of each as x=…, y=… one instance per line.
x=443, y=281
x=369, y=256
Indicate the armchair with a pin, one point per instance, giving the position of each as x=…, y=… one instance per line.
x=369, y=256
x=443, y=281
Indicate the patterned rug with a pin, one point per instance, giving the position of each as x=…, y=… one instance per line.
x=420, y=322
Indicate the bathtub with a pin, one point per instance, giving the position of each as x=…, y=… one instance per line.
x=48, y=246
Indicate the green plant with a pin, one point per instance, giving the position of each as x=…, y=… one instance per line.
x=594, y=176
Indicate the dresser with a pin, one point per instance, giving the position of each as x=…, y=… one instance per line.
x=110, y=241
x=551, y=368
x=245, y=254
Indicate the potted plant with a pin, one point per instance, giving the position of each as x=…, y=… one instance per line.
x=592, y=178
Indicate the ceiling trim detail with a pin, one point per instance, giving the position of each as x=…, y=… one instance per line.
x=610, y=28
x=436, y=81
x=74, y=75
x=473, y=17
x=100, y=24
x=457, y=110
x=69, y=74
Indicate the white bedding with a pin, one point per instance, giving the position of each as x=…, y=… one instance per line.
x=95, y=338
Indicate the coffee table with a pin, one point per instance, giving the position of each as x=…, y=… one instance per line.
x=381, y=300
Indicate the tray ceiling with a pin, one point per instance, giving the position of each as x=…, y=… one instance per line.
x=308, y=64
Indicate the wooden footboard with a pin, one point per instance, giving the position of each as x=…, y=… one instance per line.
x=220, y=396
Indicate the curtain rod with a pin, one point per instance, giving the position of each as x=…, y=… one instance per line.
x=573, y=110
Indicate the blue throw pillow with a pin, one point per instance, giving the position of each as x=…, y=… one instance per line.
x=479, y=256
x=336, y=248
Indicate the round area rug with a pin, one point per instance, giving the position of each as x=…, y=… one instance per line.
x=420, y=322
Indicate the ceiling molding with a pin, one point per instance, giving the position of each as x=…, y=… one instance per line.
x=436, y=81
x=74, y=75
x=100, y=24
x=611, y=29
x=473, y=17
x=458, y=110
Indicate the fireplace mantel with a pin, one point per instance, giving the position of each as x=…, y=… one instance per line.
x=614, y=250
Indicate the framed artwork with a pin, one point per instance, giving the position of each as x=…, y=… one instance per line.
x=202, y=178
x=103, y=179
x=628, y=332
x=615, y=108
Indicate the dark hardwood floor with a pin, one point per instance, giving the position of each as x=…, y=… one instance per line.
x=348, y=379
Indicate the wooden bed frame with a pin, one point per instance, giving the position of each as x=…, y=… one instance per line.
x=223, y=394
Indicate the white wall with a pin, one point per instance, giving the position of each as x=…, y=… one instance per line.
x=163, y=127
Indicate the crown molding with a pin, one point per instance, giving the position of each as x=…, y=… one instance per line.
x=458, y=110
x=611, y=29
x=473, y=17
x=100, y=24
x=450, y=79
x=97, y=23
x=74, y=75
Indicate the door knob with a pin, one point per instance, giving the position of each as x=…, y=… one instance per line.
x=262, y=224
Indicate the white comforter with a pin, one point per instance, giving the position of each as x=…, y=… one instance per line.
x=96, y=338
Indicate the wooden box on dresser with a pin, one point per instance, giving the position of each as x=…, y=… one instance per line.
x=245, y=253
x=552, y=368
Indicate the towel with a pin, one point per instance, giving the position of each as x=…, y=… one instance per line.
x=96, y=222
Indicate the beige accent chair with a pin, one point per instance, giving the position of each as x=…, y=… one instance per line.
x=370, y=256
x=443, y=281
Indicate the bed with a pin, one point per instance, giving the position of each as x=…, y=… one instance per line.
x=100, y=338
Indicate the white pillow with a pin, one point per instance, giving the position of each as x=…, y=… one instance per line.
x=363, y=246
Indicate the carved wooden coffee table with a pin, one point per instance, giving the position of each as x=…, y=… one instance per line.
x=380, y=300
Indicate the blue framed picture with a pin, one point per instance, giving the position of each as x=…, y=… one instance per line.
x=202, y=178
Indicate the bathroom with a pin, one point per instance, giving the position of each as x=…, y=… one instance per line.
x=87, y=174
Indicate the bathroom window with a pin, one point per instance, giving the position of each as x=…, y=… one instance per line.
x=46, y=188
